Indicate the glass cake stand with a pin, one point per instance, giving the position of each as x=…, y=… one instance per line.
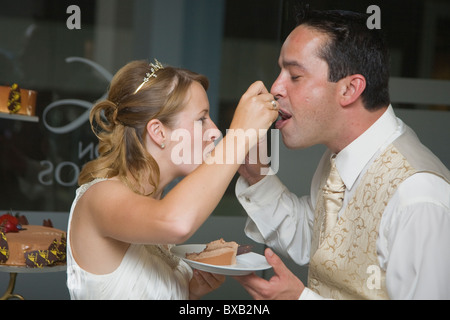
x=13, y=271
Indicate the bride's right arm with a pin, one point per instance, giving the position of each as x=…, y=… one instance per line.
x=137, y=219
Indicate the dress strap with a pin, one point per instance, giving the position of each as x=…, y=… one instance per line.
x=164, y=253
x=83, y=188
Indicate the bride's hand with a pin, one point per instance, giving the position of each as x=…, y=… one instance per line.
x=256, y=110
x=204, y=282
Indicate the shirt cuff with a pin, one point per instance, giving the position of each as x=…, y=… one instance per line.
x=261, y=193
x=308, y=294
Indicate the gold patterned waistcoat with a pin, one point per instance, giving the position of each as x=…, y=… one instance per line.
x=344, y=263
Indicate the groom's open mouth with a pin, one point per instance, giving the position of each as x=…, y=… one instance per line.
x=283, y=117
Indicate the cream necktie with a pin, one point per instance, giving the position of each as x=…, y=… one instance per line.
x=333, y=195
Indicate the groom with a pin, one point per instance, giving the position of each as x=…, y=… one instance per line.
x=380, y=200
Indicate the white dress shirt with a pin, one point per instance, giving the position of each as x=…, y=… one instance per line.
x=414, y=234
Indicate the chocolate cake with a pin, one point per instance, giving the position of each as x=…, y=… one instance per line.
x=217, y=252
x=30, y=245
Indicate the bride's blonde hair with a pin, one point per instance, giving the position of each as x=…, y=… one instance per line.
x=120, y=122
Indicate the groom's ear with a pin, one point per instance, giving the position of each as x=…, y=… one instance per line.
x=350, y=89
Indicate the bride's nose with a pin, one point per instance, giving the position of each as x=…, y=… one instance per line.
x=212, y=133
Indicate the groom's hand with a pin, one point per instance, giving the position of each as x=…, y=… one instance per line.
x=284, y=285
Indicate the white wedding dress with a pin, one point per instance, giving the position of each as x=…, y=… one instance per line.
x=146, y=272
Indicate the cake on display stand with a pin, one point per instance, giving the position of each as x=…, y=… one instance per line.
x=31, y=249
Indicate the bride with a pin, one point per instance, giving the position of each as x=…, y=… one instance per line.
x=120, y=226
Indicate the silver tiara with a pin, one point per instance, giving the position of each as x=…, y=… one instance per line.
x=154, y=67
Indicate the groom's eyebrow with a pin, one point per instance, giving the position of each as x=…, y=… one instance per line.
x=293, y=63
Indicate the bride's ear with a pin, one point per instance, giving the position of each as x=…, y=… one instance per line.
x=157, y=132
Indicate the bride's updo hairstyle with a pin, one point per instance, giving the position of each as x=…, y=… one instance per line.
x=120, y=121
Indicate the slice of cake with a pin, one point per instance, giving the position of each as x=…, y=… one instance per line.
x=219, y=253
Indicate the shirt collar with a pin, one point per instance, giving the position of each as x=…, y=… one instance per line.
x=353, y=158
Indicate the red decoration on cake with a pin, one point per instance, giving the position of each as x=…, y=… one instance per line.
x=8, y=223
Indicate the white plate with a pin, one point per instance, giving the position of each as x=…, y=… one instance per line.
x=245, y=263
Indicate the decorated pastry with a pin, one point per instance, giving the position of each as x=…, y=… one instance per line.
x=14, y=101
